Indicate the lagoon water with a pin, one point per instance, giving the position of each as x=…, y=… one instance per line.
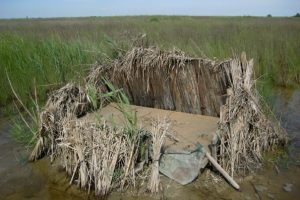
x=42, y=180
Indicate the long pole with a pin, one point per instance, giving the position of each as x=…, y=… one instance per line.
x=222, y=171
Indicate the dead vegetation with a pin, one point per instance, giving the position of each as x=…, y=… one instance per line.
x=96, y=156
x=159, y=131
x=167, y=80
x=70, y=100
x=245, y=131
x=101, y=157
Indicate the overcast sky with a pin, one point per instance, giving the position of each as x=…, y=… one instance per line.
x=76, y=8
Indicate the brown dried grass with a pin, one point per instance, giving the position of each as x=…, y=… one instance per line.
x=171, y=80
x=95, y=155
x=68, y=101
x=245, y=131
x=159, y=130
x=102, y=158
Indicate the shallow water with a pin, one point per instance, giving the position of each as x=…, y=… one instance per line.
x=287, y=109
x=21, y=180
x=41, y=180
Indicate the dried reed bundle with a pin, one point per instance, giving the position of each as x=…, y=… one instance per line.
x=147, y=59
x=245, y=131
x=159, y=130
x=70, y=100
x=95, y=77
x=94, y=155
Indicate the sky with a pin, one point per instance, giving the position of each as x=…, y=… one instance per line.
x=79, y=8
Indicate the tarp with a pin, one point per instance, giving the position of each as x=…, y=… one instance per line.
x=183, y=167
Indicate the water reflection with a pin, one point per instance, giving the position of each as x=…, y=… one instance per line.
x=286, y=104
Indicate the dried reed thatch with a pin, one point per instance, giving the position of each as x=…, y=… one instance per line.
x=159, y=131
x=169, y=80
x=95, y=77
x=70, y=100
x=95, y=155
x=245, y=131
x=101, y=158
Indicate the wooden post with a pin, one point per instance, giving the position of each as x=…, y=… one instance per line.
x=213, y=146
x=222, y=171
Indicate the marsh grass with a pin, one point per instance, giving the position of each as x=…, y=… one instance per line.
x=22, y=134
x=50, y=62
x=92, y=96
x=278, y=158
x=55, y=51
x=130, y=120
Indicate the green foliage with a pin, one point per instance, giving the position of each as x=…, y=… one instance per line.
x=92, y=95
x=22, y=134
x=129, y=116
x=51, y=62
x=55, y=51
x=154, y=19
x=279, y=157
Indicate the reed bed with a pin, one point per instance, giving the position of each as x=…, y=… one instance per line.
x=56, y=51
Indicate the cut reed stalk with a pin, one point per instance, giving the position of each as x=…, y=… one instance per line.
x=245, y=131
x=159, y=130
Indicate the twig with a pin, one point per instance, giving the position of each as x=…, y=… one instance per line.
x=14, y=92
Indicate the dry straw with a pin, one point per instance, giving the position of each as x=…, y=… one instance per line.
x=159, y=130
x=245, y=131
x=168, y=80
x=93, y=154
x=70, y=100
x=99, y=157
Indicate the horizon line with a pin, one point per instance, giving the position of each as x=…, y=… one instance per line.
x=149, y=15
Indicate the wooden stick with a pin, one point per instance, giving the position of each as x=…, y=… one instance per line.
x=222, y=171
